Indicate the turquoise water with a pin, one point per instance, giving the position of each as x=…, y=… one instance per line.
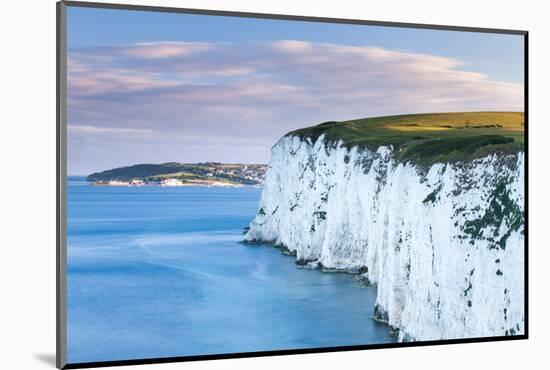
x=158, y=272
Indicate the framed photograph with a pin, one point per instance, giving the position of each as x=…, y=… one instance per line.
x=236, y=185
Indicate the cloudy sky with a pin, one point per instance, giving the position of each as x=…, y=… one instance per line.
x=157, y=87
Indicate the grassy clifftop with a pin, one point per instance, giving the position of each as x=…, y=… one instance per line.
x=428, y=138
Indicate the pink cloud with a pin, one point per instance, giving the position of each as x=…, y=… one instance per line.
x=263, y=90
x=293, y=73
x=161, y=50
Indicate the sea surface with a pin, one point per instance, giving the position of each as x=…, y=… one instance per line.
x=159, y=272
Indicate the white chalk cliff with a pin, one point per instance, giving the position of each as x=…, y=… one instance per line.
x=443, y=244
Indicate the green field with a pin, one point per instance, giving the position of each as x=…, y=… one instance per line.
x=429, y=138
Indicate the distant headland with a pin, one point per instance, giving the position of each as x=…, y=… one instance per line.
x=182, y=174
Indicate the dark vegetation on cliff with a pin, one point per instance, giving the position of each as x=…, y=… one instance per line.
x=428, y=138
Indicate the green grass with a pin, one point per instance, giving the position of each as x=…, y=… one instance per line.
x=428, y=138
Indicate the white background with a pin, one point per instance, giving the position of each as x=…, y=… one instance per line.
x=27, y=203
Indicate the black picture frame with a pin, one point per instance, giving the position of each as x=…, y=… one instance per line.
x=61, y=175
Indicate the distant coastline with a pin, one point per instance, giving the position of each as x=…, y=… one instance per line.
x=169, y=182
x=174, y=174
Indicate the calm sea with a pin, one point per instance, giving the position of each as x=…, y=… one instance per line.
x=158, y=272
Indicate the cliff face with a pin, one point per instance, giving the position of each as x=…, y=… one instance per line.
x=443, y=244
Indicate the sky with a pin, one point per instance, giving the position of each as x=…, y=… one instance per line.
x=146, y=87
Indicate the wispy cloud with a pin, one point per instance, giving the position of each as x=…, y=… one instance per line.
x=106, y=130
x=259, y=91
x=163, y=50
